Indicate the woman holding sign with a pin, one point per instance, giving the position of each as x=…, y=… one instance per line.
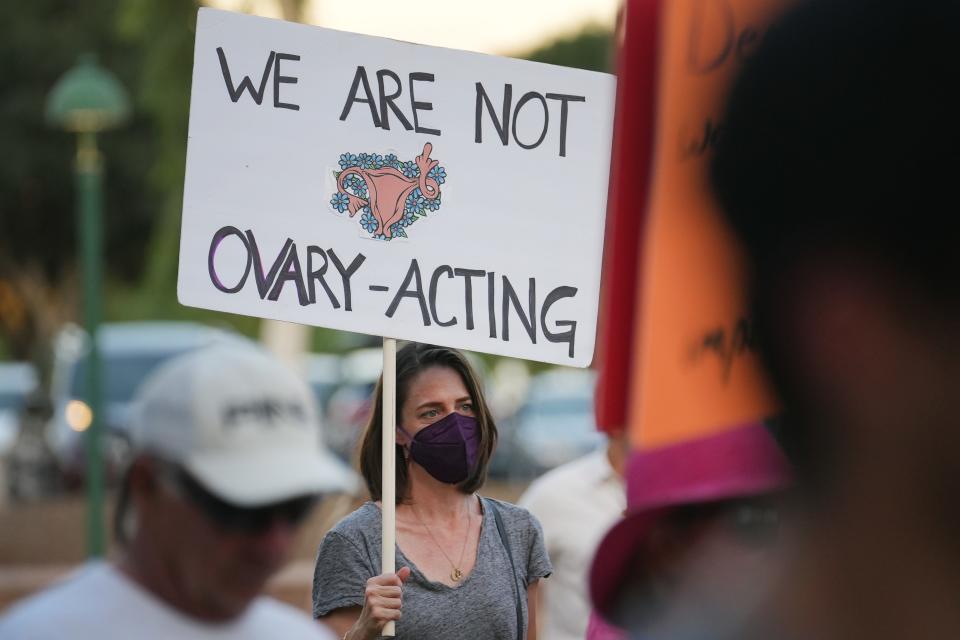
x=469, y=565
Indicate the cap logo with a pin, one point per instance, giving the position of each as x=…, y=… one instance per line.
x=267, y=411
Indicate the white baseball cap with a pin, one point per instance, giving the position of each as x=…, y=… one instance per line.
x=240, y=423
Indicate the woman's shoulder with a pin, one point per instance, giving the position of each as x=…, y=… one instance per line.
x=362, y=522
x=514, y=516
x=524, y=534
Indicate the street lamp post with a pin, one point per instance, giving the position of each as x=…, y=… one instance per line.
x=87, y=100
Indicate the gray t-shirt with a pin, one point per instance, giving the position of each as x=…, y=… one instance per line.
x=482, y=607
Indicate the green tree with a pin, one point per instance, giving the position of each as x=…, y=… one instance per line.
x=591, y=48
x=39, y=41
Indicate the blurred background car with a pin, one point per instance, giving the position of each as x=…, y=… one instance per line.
x=17, y=381
x=323, y=372
x=555, y=424
x=348, y=406
x=129, y=352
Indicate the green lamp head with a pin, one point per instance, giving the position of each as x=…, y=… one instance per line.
x=87, y=99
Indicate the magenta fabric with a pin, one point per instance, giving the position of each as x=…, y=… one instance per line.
x=741, y=461
x=738, y=462
x=597, y=629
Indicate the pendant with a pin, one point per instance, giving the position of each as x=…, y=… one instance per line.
x=456, y=575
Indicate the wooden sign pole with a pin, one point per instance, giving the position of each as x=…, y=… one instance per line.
x=388, y=480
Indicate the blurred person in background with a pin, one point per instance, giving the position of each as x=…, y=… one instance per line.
x=838, y=172
x=227, y=463
x=576, y=503
x=698, y=551
x=469, y=567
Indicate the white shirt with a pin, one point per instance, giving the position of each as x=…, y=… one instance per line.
x=576, y=504
x=99, y=602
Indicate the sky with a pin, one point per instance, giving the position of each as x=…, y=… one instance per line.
x=486, y=26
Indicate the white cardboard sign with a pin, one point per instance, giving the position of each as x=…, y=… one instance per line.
x=394, y=189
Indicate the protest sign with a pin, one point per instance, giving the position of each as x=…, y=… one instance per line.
x=394, y=189
x=696, y=369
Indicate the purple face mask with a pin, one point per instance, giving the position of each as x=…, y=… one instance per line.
x=447, y=449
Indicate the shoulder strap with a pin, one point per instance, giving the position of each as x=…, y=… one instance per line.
x=502, y=530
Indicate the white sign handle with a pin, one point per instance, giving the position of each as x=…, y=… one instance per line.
x=388, y=482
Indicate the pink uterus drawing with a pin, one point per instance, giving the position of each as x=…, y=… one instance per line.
x=388, y=188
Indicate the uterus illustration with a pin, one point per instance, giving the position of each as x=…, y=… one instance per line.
x=394, y=193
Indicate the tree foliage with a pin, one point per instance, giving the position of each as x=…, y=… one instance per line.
x=39, y=41
x=591, y=48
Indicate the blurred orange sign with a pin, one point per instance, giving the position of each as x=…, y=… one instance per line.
x=696, y=369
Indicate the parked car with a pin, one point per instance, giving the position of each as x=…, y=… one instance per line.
x=348, y=407
x=555, y=424
x=17, y=381
x=323, y=371
x=129, y=352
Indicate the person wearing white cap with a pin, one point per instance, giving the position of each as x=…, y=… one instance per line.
x=227, y=463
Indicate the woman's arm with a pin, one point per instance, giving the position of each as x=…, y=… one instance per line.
x=532, y=592
x=341, y=620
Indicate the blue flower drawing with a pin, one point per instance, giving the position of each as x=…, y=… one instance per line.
x=356, y=185
x=410, y=170
x=439, y=174
x=392, y=215
x=368, y=222
x=339, y=201
x=414, y=203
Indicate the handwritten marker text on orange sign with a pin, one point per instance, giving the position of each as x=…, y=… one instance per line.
x=697, y=370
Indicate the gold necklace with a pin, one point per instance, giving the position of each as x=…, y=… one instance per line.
x=457, y=574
